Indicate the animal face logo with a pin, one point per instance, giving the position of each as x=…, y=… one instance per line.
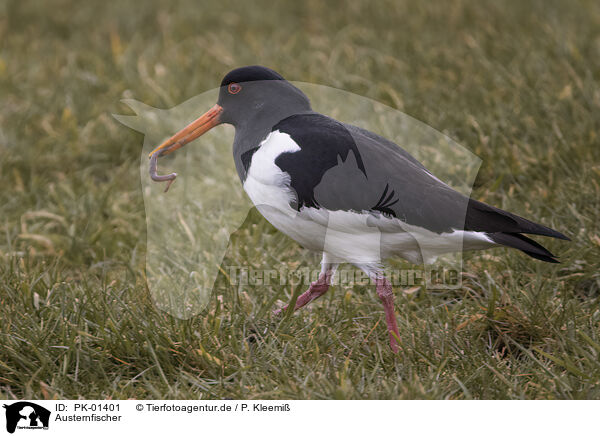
x=26, y=415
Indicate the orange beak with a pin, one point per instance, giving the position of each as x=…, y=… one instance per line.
x=195, y=129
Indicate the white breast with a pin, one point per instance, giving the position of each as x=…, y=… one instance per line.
x=266, y=184
x=269, y=189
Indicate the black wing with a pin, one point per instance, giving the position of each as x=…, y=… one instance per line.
x=343, y=167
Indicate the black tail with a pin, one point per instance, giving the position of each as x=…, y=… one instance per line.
x=505, y=228
x=523, y=243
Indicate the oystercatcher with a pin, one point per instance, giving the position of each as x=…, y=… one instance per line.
x=344, y=191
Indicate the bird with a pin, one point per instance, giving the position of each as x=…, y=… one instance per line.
x=346, y=192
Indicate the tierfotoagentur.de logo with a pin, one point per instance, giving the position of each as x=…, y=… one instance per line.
x=25, y=415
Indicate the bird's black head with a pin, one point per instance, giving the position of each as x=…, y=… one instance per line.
x=254, y=93
x=253, y=96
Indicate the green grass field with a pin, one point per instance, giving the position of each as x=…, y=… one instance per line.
x=515, y=82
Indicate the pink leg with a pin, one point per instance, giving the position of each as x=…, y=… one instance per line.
x=384, y=291
x=315, y=290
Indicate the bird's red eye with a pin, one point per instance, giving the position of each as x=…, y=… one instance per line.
x=234, y=88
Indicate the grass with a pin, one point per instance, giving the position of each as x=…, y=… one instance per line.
x=516, y=83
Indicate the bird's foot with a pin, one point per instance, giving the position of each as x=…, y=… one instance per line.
x=384, y=291
x=394, y=344
x=315, y=290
